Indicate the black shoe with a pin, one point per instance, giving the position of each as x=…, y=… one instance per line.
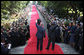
x=53, y=49
x=47, y=48
x=40, y=50
x=37, y=49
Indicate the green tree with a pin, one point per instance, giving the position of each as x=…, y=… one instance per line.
x=62, y=8
x=11, y=7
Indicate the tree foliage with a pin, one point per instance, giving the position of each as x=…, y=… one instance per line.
x=11, y=7
x=62, y=8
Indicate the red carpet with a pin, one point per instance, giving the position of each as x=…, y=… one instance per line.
x=32, y=42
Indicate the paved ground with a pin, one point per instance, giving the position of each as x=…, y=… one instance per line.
x=67, y=49
x=29, y=16
x=18, y=50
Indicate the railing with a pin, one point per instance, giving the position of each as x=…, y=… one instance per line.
x=44, y=14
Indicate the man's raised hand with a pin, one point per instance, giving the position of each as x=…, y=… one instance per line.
x=36, y=21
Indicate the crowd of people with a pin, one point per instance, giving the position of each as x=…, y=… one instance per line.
x=66, y=30
x=70, y=34
x=16, y=35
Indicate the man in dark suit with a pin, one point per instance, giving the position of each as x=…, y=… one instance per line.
x=77, y=35
x=40, y=34
x=51, y=35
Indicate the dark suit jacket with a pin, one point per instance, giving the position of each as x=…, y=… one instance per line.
x=52, y=32
x=4, y=50
x=40, y=32
x=48, y=26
